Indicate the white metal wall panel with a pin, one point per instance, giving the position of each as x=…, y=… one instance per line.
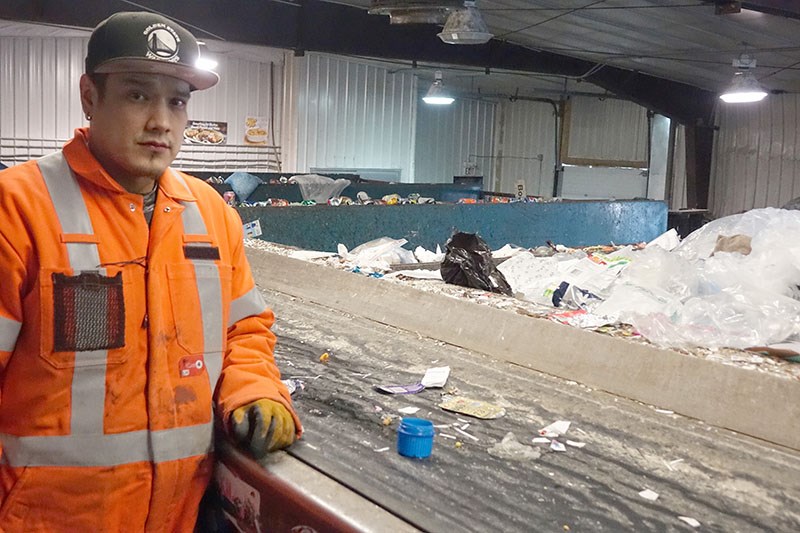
x=39, y=96
x=349, y=114
x=607, y=129
x=40, y=101
x=756, y=154
x=525, y=147
x=449, y=136
x=594, y=183
x=677, y=197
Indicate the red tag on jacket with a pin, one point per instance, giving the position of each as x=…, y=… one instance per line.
x=192, y=366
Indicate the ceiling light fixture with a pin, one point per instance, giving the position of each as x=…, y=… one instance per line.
x=465, y=26
x=205, y=63
x=744, y=87
x=437, y=95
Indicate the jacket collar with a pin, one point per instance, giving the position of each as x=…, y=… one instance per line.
x=84, y=164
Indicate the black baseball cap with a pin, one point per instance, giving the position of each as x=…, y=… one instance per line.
x=148, y=43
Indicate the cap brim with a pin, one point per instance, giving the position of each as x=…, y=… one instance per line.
x=198, y=79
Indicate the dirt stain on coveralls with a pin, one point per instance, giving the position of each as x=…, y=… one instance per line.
x=184, y=395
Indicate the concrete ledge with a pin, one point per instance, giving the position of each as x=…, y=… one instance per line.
x=757, y=404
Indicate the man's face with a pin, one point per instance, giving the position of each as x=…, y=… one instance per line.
x=137, y=123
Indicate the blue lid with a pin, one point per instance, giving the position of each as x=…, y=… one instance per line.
x=417, y=427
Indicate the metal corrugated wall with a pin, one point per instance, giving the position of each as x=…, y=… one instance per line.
x=39, y=97
x=677, y=192
x=525, y=147
x=349, y=114
x=40, y=101
x=451, y=136
x=607, y=129
x=756, y=154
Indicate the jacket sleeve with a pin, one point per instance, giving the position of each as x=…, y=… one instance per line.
x=10, y=300
x=249, y=371
x=13, y=281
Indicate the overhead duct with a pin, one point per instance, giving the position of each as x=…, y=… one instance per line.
x=415, y=11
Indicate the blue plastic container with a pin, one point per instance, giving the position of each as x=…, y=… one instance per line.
x=415, y=437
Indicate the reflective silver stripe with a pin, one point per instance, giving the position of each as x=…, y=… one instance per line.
x=108, y=450
x=9, y=330
x=248, y=304
x=70, y=210
x=209, y=290
x=89, y=374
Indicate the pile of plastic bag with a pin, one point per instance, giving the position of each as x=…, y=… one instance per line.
x=735, y=282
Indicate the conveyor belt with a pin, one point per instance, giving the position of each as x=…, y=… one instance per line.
x=726, y=481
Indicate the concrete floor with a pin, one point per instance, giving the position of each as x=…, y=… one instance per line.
x=726, y=481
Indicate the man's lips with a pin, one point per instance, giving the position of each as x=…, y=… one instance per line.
x=155, y=145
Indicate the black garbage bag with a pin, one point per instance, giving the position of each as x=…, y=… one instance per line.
x=468, y=262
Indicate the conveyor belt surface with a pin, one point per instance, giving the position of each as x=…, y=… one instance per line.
x=726, y=481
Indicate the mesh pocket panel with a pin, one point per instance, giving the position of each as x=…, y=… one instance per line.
x=89, y=312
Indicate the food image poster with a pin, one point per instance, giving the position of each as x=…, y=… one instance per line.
x=205, y=132
x=241, y=503
x=256, y=130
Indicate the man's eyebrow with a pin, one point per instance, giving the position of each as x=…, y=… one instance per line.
x=134, y=80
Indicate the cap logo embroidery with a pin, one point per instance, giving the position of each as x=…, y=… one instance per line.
x=162, y=43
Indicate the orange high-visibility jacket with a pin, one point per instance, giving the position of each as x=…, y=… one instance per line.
x=113, y=339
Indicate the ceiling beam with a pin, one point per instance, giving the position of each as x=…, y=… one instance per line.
x=314, y=25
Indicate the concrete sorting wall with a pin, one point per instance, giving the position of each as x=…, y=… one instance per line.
x=761, y=405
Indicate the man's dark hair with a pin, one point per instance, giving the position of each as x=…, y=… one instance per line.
x=99, y=81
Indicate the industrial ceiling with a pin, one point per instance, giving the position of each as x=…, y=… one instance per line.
x=672, y=56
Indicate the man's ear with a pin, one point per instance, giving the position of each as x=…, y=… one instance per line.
x=89, y=95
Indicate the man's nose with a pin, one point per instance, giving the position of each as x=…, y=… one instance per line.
x=159, y=118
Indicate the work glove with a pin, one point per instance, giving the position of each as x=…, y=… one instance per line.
x=262, y=426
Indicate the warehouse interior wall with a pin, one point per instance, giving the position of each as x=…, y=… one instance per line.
x=756, y=151
x=40, y=103
x=604, y=149
x=454, y=140
x=677, y=189
x=525, y=147
x=39, y=96
x=346, y=113
x=333, y=112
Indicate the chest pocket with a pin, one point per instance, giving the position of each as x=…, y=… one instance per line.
x=196, y=292
x=82, y=314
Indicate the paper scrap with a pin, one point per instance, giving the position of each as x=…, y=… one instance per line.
x=541, y=440
x=576, y=444
x=648, y=494
x=436, y=377
x=293, y=385
x=476, y=408
x=476, y=439
x=556, y=429
x=557, y=446
x=579, y=318
x=408, y=410
x=689, y=520
x=400, y=389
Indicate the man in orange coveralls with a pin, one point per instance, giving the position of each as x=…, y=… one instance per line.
x=128, y=312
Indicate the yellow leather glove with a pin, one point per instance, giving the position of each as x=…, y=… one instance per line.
x=262, y=426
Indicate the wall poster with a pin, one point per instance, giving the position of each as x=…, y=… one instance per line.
x=205, y=132
x=256, y=131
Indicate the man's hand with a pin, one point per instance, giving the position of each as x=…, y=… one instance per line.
x=262, y=426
